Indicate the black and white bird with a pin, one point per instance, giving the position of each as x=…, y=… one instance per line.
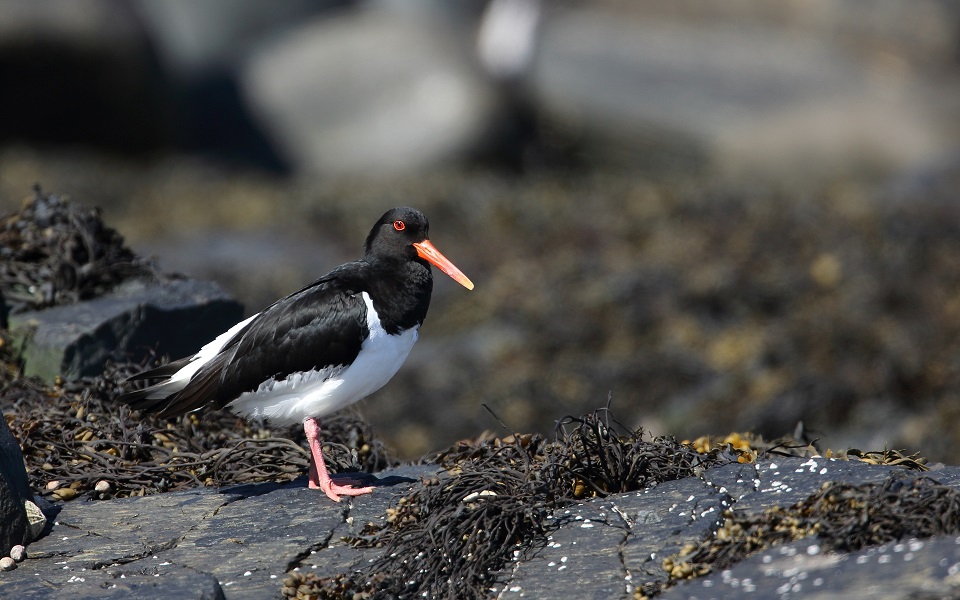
x=320, y=349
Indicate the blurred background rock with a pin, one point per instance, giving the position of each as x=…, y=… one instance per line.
x=736, y=215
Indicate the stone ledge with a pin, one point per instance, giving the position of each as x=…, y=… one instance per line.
x=174, y=317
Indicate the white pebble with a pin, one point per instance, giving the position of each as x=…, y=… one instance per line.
x=7, y=563
x=18, y=553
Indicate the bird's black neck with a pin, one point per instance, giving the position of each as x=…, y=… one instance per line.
x=400, y=291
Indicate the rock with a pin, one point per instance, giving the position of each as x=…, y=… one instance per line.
x=3, y=312
x=14, y=491
x=76, y=340
x=192, y=38
x=246, y=262
x=199, y=45
x=64, y=58
x=103, y=584
x=7, y=564
x=742, y=96
x=65, y=494
x=906, y=569
x=197, y=544
x=18, y=553
x=371, y=92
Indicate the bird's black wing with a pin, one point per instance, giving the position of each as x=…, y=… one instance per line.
x=322, y=325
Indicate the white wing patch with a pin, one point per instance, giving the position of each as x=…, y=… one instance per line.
x=181, y=378
x=320, y=392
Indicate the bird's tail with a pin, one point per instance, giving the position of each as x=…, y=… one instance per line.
x=155, y=398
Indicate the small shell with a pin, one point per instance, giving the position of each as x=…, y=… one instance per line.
x=36, y=520
x=473, y=496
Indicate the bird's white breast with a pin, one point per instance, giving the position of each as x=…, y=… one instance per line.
x=320, y=392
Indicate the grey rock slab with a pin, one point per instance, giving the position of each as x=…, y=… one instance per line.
x=736, y=94
x=250, y=544
x=581, y=558
x=663, y=519
x=944, y=474
x=778, y=482
x=106, y=549
x=236, y=542
x=91, y=534
x=788, y=480
x=338, y=555
x=336, y=558
x=174, y=317
x=606, y=548
x=602, y=548
x=909, y=568
x=736, y=480
x=111, y=584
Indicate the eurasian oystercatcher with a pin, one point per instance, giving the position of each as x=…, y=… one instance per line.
x=322, y=348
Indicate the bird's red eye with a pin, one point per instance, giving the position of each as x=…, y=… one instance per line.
x=399, y=225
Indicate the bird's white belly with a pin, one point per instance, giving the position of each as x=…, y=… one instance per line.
x=320, y=392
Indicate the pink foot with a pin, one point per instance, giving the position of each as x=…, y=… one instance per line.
x=319, y=478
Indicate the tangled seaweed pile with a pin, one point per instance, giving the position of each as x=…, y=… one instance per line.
x=77, y=441
x=496, y=504
x=57, y=252
x=843, y=516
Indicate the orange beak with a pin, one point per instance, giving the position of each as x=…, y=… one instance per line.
x=427, y=252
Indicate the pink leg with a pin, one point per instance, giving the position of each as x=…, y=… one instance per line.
x=319, y=477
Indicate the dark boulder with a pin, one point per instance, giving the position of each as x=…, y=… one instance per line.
x=175, y=317
x=14, y=491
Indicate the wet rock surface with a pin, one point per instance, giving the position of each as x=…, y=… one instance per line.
x=906, y=569
x=235, y=542
x=242, y=541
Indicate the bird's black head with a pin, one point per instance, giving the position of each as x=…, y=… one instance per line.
x=395, y=233
x=401, y=234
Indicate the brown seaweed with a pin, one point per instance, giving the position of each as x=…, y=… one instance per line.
x=54, y=251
